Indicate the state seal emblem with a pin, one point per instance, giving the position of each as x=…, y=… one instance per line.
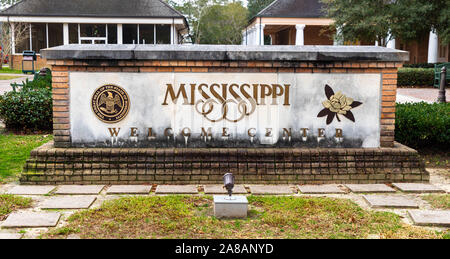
x=110, y=103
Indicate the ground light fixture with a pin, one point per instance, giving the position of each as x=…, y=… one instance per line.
x=227, y=206
x=228, y=183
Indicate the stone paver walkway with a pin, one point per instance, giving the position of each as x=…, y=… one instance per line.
x=129, y=189
x=320, y=189
x=31, y=190
x=68, y=202
x=79, y=189
x=176, y=189
x=390, y=201
x=31, y=219
x=369, y=188
x=417, y=187
x=431, y=217
x=69, y=199
x=10, y=236
x=270, y=189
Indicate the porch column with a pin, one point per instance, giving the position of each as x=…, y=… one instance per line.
x=13, y=39
x=66, y=34
x=30, y=35
x=300, y=35
x=252, y=36
x=119, y=34
x=172, y=36
x=175, y=34
x=433, y=46
x=390, y=41
x=260, y=34
x=255, y=35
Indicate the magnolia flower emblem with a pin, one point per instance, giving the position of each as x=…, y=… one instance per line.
x=337, y=104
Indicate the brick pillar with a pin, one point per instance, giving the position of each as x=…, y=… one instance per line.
x=61, y=119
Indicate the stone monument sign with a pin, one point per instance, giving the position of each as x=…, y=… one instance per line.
x=188, y=114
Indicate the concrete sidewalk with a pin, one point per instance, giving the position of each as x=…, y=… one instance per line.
x=5, y=85
x=414, y=95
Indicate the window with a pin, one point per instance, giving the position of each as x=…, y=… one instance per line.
x=93, y=30
x=38, y=36
x=39, y=40
x=73, y=33
x=55, y=34
x=93, y=33
x=112, y=33
x=146, y=34
x=162, y=34
x=130, y=33
x=47, y=35
x=23, y=42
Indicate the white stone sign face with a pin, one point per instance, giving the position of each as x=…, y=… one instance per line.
x=225, y=109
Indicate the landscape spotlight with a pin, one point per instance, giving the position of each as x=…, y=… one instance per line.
x=228, y=182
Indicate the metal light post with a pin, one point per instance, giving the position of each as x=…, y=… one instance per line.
x=441, y=96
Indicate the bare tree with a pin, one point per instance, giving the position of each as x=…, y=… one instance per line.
x=20, y=32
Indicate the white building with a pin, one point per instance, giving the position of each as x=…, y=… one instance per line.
x=61, y=22
x=303, y=22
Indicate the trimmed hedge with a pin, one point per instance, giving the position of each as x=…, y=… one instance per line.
x=421, y=65
x=30, y=108
x=421, y=125
x=27, y=110
x=415, y=77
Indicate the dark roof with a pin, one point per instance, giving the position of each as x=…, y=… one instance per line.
x=293, y=9
x=93, y=8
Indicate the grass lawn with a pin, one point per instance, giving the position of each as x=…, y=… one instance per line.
x=3, y=77
x=7, y=70
x=14, y=151
x=435, y=158
x=269, y=217
x=9, y=203
x=438, y=201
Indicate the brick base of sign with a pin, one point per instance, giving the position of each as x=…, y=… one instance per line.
x=50, y=165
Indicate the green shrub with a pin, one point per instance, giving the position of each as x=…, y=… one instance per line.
x=38, y=82
x=423, y=125
x=29, y=108
x=415, y=77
